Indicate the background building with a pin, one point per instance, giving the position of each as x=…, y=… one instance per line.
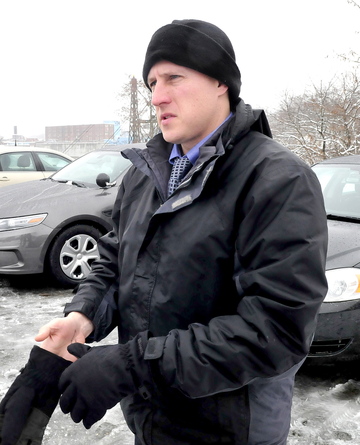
x=83, y=133
x=75, y=140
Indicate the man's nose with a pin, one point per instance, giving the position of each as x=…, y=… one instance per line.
x=159, y=95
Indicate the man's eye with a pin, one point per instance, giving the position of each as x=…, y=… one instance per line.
x=152, y=84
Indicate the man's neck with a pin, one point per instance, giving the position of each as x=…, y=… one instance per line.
x=193, y=152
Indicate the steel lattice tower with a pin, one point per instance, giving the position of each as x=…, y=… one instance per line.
x=134, y=124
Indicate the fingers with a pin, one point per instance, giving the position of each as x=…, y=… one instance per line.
x=78, y=397
x=68, y=397
x=57, y=335
x=56, y=328
x=71, y=402
x=78, y=349
x=93, y=416
x=78, y=338
x=62, y=330
x=43, y=333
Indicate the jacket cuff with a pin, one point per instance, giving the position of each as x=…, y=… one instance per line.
x=154, y=348
x=79, y=306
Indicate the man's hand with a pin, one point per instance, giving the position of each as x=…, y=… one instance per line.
x=61, y=332
x=102, y=377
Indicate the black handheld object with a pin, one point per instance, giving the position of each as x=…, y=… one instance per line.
x=32, y=398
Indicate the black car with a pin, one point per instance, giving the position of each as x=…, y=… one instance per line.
x=338, y=332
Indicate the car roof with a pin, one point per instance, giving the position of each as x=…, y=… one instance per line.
x=19, y=148
x=122, y=146
x=352, y=159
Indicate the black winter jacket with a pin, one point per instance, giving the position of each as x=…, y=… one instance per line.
x=228, y=273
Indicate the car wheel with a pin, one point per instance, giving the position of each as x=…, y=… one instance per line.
x=72, y=254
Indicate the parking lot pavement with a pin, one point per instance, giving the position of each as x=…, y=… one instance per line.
x=325, y=406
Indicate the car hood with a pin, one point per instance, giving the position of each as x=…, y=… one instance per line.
x=47, y=196
x=344, y=244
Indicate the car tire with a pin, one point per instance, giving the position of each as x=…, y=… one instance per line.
x=72, y=254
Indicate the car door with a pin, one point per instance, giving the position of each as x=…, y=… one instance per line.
x=49, y=163
x=18, y=167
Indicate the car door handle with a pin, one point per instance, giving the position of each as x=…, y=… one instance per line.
x=4, y=178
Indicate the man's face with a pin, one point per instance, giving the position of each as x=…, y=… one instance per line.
x=189, y=105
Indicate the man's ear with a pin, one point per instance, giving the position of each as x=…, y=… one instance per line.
x=222, y=88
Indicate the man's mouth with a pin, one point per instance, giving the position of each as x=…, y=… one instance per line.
x=166, y=116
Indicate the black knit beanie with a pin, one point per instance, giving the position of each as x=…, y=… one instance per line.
x=198, y=45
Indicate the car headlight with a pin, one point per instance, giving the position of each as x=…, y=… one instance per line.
x=343, y=285
x=21, y=222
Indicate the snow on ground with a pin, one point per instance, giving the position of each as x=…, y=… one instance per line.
x=326, y=405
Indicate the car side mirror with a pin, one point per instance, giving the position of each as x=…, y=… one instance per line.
x=103, y=181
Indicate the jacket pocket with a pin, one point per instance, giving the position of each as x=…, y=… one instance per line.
x=173, y=419
x=234, y=415
x=138, y=414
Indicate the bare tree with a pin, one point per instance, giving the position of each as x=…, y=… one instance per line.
x=345, y=125
x=352, y=56
x=354, y=3
x=322, y=123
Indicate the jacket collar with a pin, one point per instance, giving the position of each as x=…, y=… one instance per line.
x=232, y=130
x=154, y=160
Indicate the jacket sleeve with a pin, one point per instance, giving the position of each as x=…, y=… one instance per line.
x=280, y=278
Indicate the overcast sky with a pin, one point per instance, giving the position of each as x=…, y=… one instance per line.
x=64, y=61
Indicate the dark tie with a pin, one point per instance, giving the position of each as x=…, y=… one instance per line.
x=179, y=169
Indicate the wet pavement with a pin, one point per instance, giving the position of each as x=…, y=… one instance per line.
x=326, y=405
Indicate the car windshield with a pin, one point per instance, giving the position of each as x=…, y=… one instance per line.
x=340, y=184
x=86, y=169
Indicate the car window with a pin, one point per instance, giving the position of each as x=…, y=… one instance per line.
x=88, y=167
x=340, y=185
x=19, y=161
x=52, y=162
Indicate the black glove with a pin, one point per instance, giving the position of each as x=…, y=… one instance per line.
x=102, y=377
x=30, y=401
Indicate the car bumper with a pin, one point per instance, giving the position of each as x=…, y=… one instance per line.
x=337, y=334
x=21, y=251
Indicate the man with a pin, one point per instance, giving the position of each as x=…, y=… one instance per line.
x=214, y=280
